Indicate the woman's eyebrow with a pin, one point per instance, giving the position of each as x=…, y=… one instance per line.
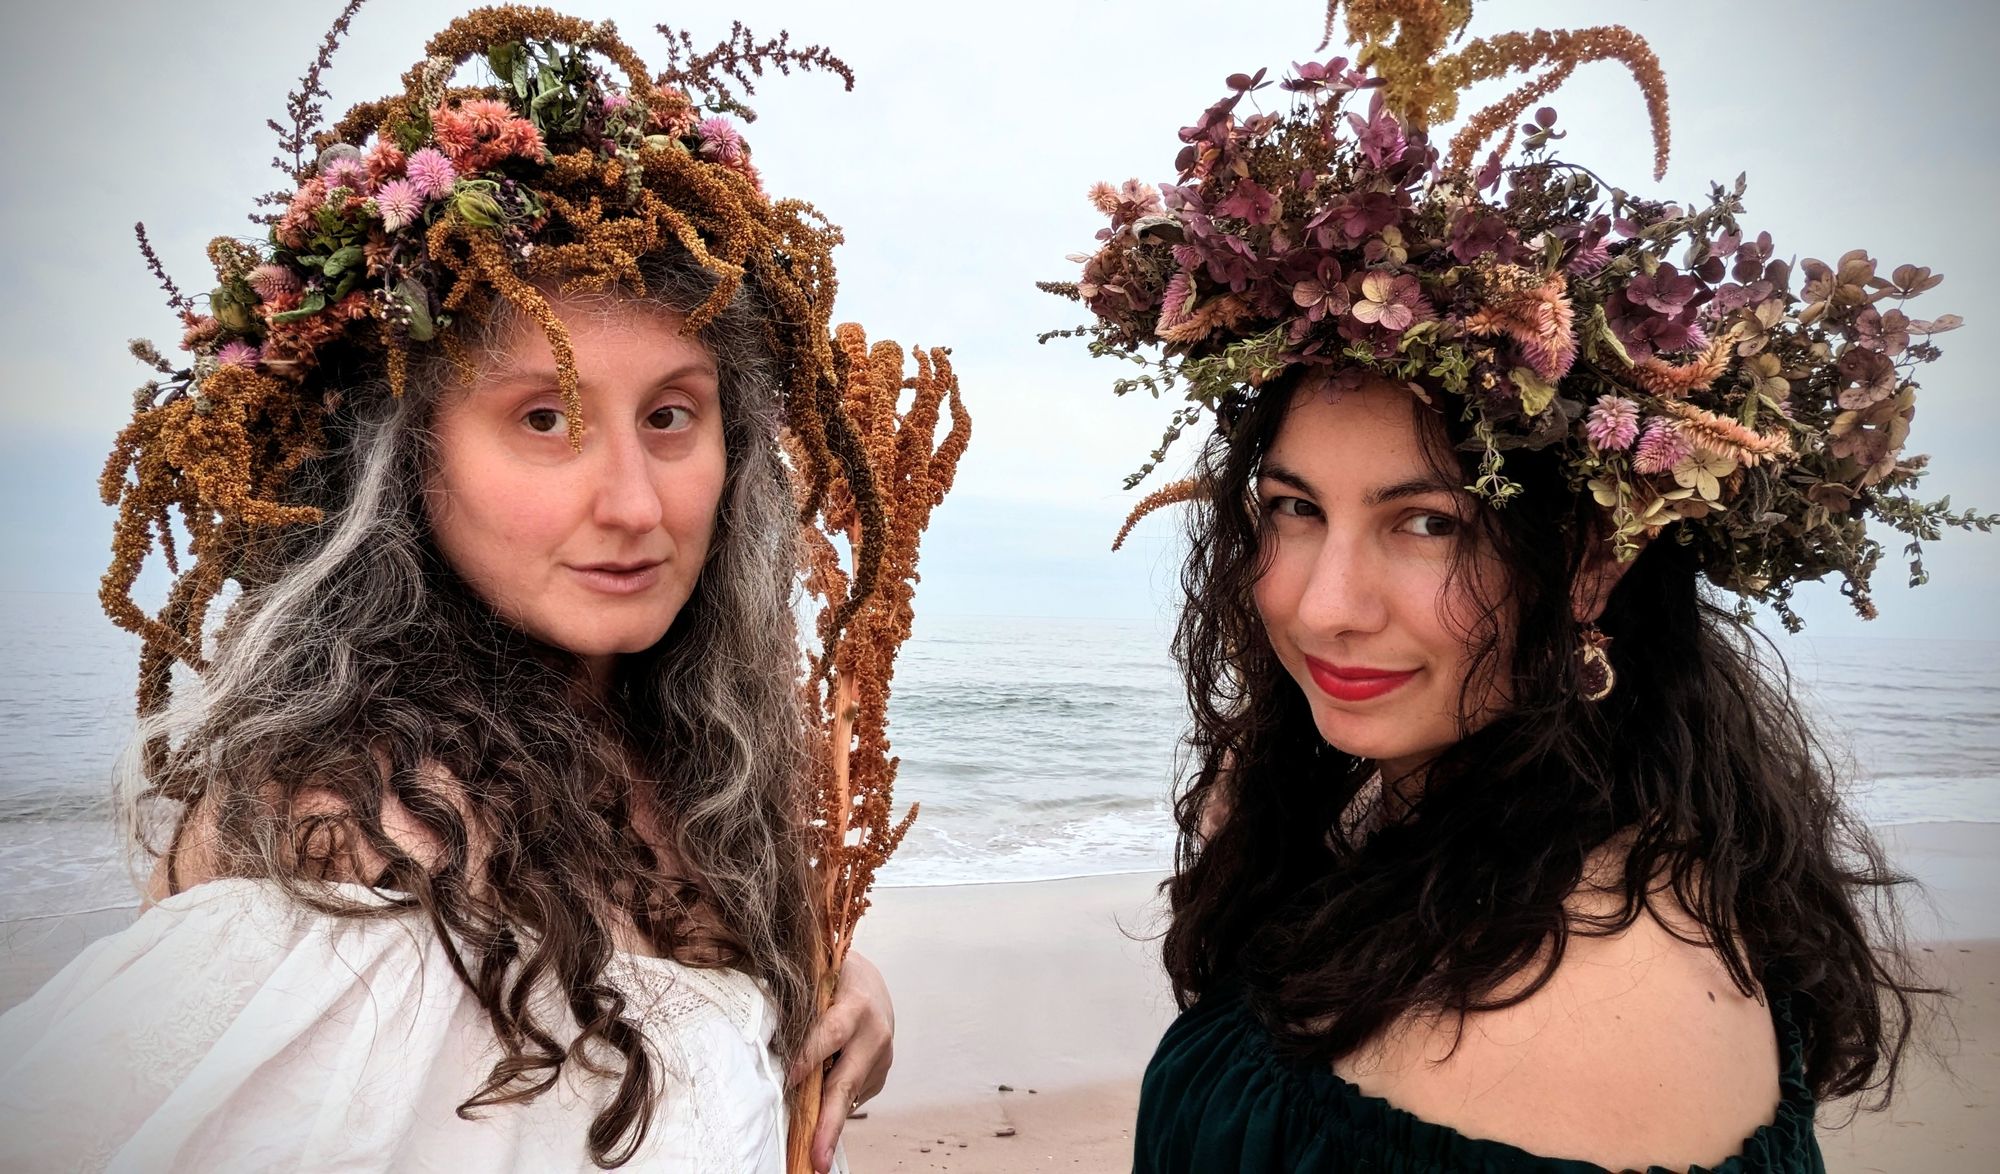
x=1414, y=487
x=533, y=372
x=1285, y=476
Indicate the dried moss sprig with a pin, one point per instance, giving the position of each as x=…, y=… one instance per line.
x=854, y=823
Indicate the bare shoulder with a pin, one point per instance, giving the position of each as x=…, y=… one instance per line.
x=197, y=853
x=1638, y=1051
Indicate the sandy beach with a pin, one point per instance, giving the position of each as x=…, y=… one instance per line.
x=1026, y=1013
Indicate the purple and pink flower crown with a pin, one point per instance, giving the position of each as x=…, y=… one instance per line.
x=1664, y=349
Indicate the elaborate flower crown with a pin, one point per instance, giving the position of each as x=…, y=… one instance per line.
x=1662, y=347
x=419, y=211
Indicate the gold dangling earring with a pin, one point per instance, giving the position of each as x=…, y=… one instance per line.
x=1595, y=677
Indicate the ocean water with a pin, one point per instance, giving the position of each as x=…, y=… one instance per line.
x=1036, y=747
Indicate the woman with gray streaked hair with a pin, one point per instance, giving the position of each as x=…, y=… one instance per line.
x=481, y=844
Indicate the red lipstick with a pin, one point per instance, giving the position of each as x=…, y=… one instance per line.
x=1355, y=682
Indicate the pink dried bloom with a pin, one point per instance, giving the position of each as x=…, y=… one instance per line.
x=670, y=111
x=348, y=172
x=291, y=227
x=1588, y=259
x=273, y=281
x=721, y=142
x=399, y=204
x=616, y=101
x=1127, y=202
x=431, y=173
x=385, y=162
x=518, y=137
x=481, y=132
x=236, y=354
x=1613, y=423
x=1177, y=300
x=1661, y=448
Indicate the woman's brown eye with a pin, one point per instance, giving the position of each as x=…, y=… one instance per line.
x=1432, y=525
x=544, y=419
x=671, y=419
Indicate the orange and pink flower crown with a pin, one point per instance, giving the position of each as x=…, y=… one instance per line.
x=1663, y=347
x=564, y=169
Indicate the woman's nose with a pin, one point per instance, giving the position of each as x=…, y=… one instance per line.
x=625, y=496
x=1345, y=589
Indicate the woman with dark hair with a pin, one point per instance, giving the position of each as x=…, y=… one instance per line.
x=1504, y=848
x=482, y=842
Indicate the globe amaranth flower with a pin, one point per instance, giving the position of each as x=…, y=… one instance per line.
x=1613, y=423
x=236, y=354
x=398, y=204
x=431, y=173
x=1661, y=447
x=350, y=173
x=1587, y=252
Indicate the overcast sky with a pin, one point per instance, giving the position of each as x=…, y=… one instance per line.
x=958, y=167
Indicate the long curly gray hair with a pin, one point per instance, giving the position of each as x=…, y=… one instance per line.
x=359, y=668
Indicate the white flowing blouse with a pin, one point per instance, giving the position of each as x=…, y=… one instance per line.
x=229, y=1030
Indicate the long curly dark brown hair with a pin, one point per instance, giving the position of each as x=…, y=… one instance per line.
x=1700, y=758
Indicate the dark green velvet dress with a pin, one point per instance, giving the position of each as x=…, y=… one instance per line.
x=1218, y=1100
